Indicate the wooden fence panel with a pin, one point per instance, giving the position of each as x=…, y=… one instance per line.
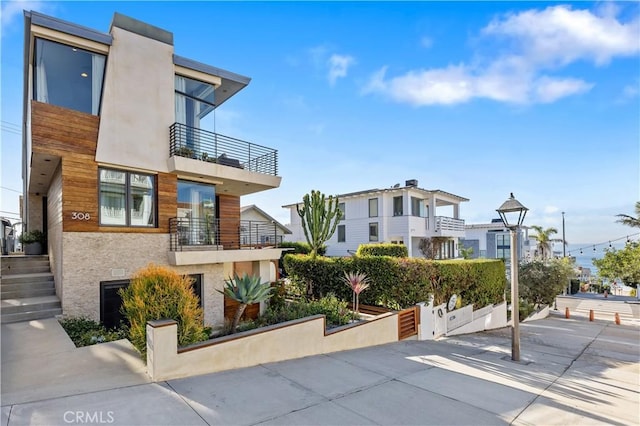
x=408, y=322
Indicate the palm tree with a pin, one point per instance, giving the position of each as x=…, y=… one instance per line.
x=544, y=239
x=245, y=291
x=625, y=219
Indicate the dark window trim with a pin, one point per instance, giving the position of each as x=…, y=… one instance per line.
x=377, y=236
x=401, y=211
x=377, y=207
x=106, y=285
x=344, y=231
x=126, y=201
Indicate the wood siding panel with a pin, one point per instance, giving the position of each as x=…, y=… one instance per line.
x=229, y=215
x=73, y=136
x=57, y=130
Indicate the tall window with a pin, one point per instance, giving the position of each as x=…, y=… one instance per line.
x=197, y=211
x=373, y=231
x=373, y=207
x=127, y=199
x=342, y=208
x=397, y=206
x=194, y=101
x=342, y=233
x=417, y=207
x=67, y=76
x=503, y=246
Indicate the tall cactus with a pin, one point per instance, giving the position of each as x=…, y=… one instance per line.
x=320, y=217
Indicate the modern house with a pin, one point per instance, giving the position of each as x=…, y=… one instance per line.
x=121, y=167
x=265, y=236
x=493, y=241
x=400, y=214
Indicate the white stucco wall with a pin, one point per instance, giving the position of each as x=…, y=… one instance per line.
x=138, y=103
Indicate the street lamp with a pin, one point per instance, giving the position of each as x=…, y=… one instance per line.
x=564, y=241
x=512, y=214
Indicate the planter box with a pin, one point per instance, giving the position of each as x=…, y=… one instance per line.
x=33, y=249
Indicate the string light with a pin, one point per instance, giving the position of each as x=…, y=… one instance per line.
x=609, y=243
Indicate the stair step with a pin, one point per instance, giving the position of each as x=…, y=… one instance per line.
x=26, y=269
x=30, y=315
x=27, y=293
x=27, y=278
x=29, y=304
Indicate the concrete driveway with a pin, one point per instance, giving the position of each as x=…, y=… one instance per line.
x=573, y=372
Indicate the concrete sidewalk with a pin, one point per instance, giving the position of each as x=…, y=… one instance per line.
x=573, y=372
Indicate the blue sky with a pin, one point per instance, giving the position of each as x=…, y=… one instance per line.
x=478, y=99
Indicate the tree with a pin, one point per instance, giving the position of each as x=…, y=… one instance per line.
x=540, y=282
x=544, y=239
x=621, y=264
x=634, y=222
x=431, y=248
x=245, y=290
x=466, y=252
x=320, y=217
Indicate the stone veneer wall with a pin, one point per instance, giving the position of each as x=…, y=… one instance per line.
x=92, y=257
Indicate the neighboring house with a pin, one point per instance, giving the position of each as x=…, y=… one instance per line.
x=402, y=215
x=493, y=241
x=262, y=227
x=122, y=168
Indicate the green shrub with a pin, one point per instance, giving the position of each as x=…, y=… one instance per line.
x=382, y=249
x=156, y=292
x=35, y=236
x=335, y=311
x=84, y=331
x=540, y=282
x=402, y=282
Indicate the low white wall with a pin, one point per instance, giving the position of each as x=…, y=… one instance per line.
x=538, y=315
x=436, y=321
x=290, y=340
x=494, y=318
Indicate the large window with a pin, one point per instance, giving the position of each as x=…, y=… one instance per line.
x=373, y=207
x=342, y=233
x=197, y=213
x=503, y=246
x=417, y=207
x=67, y=76
x=397, y=206
x=343, y=209
x=373, y=231
x=127, y=198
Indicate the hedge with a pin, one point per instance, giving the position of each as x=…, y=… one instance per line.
x=399, y=283
x=382, y=249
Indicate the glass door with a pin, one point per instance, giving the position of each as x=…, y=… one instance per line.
x=196, y=213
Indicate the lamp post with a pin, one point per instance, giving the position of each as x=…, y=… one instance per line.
x=512, y=214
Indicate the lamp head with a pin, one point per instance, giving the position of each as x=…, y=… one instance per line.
x=512, y=212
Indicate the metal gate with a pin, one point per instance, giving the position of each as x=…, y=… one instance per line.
x=408, y=322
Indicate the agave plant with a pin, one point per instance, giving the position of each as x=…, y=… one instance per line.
x=245, y=290
x=358, y=282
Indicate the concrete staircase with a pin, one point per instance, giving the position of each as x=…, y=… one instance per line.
x=27, y=289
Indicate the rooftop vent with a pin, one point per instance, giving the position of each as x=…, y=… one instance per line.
x=411, y=182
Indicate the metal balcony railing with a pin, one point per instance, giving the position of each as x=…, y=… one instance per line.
x=444, y=223
x=198, y=144
x=221, y=234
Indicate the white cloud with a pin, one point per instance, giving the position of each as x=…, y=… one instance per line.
x=12, y=11
x=559, y=35
x=550, y=209
x=541, y=41
x=339, y=66
x=549, y=89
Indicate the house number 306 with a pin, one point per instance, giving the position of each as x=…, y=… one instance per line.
x=80, y=216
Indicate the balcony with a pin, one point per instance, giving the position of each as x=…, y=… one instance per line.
x=240, y=167
x=199, y=241
x=449, y=227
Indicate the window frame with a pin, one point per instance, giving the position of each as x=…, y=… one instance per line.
x=376, y=237
x=344, y=233
x=419, y=204
x=128, y=199
x=343, y=209
x=399, y=212
x=376, y=207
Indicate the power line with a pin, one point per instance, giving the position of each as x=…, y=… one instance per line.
x=608, y=242
x=9, y=189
